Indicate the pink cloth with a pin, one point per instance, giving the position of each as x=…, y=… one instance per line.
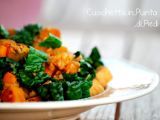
x=16, y=13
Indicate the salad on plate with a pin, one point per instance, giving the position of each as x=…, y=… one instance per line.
x=35, y=66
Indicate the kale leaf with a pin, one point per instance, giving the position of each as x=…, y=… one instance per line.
x=23, y=36
x=77, y=87
x=43, y=92
x=33, y=74
x=3, y=32
x=51, y=42
x=95, y=58
x=56, y=91
x=74, y=90
x=52, y=91
x=27, y=34
x=33, y=29
x=36, y=56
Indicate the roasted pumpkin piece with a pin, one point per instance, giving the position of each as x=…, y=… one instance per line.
x=3, y=51
x=103, y=75
x=12, y=94
x=44, y=33
x=72, y=67
x=17, y=52
x=7, y=42
x=9, y=79
x=96, y=88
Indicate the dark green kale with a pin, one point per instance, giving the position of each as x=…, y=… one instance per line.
x=85, y=68
x=74, y=90
x=27, y=34
x=95, y=55
x=33, y=29
x=36, y=56
x=43, y=92
x=77, y=87
x=72, y=77
x=3, y=32
x=95, y=58
x=51, y=42
x=33, y=74
x=56, y=91
x=23, y=36
x=30, y=80
x=85, y=86
x=77, y=54
x=51, y=92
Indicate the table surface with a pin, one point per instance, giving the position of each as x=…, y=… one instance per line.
x=139, y=47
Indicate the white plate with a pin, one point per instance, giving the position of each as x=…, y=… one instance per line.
x=129, y=81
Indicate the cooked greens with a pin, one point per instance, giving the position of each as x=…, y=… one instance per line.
x=95, y=58
x=33, y=72
x=51, y=42
x=27, y=34
x=7, y=64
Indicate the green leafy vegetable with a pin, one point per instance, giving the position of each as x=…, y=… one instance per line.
x=33, y=29
x=30, y=81
x=33, y=72
x=23, y=36
x=85, y=86
x=3, y=32
x=26, y=35
x=74, y=91
x=34, y=60
x=43, y=92
x=36, y=56
x=51, y=42
x=95, y=55
x=52, y=91
x=95, y=58
x=56, y=91
x=76, y=87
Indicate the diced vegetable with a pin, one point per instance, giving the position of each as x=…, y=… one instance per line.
x=12, y=94
x=103, y=75
x=9, y=79
x=6, y=65
x=96, y=88
x=46, y=31
x=51, y=42
x=17, y=51
x=3, y=51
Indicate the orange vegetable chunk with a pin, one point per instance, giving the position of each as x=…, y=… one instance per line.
x=9, y=79
x=3, y=51
x=13, y=94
